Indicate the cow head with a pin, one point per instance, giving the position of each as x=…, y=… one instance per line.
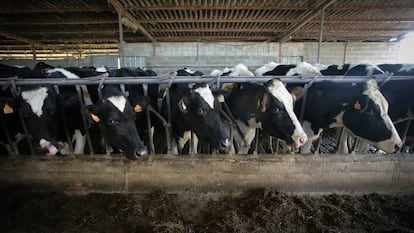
x=39, y=109
x=366, y=116
x=200, y=110
x=116, y=119
x=276, y=113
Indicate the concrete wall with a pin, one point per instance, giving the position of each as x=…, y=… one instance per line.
x=314, y=174
x=205, y=56
x=166, y=57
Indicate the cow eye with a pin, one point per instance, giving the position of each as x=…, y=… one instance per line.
x=276, y=110
x=113, y=122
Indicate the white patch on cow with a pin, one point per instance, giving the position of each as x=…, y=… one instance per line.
x=186, y=69
x=373, y=92
x=80, y=141
x=35, y=98
x=67, y=73
x=118, y=101
x=215, y=73
x=20, y=67
x=279, y=91
x=266, y=68
x=338, y=121
x=241, y=70
x=304, y=69
x=320, y=67
x=307, y=128
x=101, y=69
x=184, y=139
x=206, y=94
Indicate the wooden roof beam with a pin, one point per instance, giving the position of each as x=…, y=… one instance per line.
x=21, y=38
x=308, y=18
x=58, y=22
x=132, y=20
x=23, y=10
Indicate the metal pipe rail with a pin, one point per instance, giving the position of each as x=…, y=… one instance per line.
x=188, y=79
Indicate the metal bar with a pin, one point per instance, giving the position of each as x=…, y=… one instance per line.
x=85, y=125
x=194, y=79
x=121, y=41
x=320, y=35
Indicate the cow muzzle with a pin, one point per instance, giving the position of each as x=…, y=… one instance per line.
x=139, y=154
x=224, y=145
x=46, y=145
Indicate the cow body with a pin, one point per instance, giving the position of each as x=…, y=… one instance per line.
x=359, y=107
x=302, y=69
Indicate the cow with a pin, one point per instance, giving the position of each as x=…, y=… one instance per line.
x=302, y=69
x=195, y=110
x=399, y=95
x=398, y=69
x=115, y=117
x=11, y=138
x=135, y=94
x=269, y=107
x=359, y=107
x=113, y=108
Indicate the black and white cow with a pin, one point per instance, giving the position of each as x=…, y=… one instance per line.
x=196, y=110
x=398, y=69
x=269, y=107
x=359, y=107
x=302, y=69
x=349, y=69
x=115, y=117
x=28, y=105
x=112, y=113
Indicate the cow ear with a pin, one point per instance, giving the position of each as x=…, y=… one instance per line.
x=262, y=102
x=184, y=104
x=9, y=105
x=140, y=103
x=92, y=113
x=297, y=93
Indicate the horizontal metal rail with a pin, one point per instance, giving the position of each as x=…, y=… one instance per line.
x=189, y=79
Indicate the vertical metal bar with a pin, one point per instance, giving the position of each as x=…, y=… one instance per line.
x=320, y=35
x=280, y=53
x=346, y=47
x=9, y=141
x=150, y=139
x=121, y=41
x=85, y=125
x=65, y=123
x=34, y=53
x=28, y=139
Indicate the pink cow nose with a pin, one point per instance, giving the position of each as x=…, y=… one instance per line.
x=302, y=140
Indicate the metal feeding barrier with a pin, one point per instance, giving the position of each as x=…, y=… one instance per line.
x=165, y=81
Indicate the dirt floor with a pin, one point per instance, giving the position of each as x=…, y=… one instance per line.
x=252, y=211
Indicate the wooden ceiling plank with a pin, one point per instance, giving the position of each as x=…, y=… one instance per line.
x=308, y=18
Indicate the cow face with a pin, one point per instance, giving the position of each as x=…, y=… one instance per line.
x=200, y=110
x=367, y=118
x=39, y=110
x=277, y=116
x=116, y=119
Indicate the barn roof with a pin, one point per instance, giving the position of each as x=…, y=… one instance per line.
x=91, y=26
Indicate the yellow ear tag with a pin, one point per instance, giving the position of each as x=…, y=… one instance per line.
x=138, y=108
x=95, y=118
x=357, y=105
x=7, y=109
x=220, y=98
